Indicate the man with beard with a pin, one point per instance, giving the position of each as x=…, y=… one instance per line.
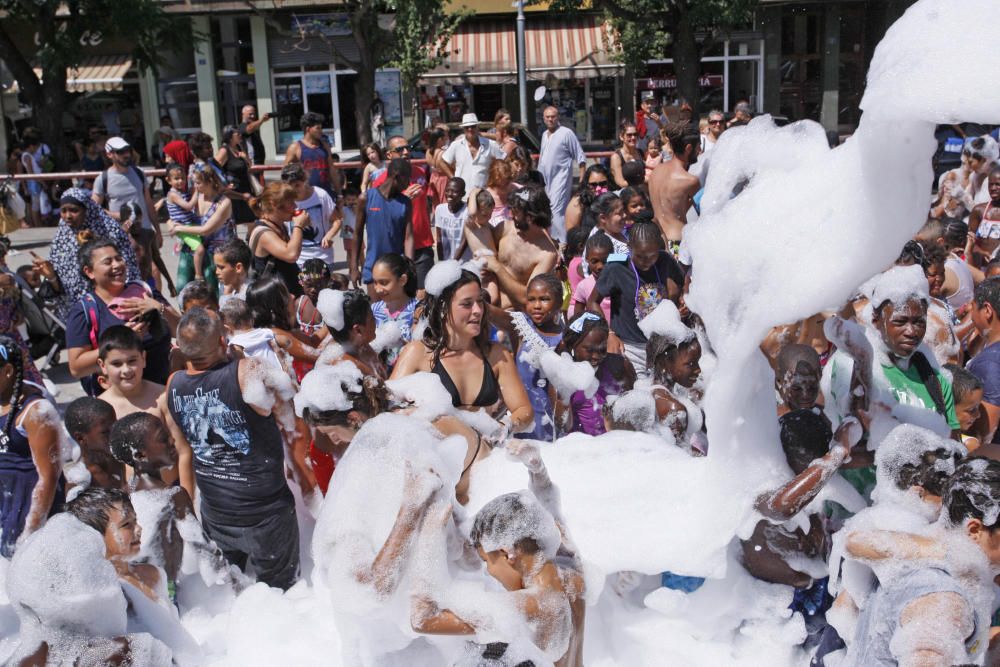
x=525, y=249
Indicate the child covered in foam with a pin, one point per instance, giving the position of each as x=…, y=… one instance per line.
x=935, y=598
x=70, y=602
x=888, y=363
x=522, y=539
x=363, y=543
x=672, y=355
x=913, y=466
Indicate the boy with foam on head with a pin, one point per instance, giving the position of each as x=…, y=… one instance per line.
x=522, y=539
x=232, y=267
x=797, y=378
x=122, y=360
x=141, y=441
x=88, y=421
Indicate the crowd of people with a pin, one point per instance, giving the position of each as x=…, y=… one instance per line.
x=489, y=305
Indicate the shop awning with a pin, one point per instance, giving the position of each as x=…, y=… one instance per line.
x=94, y=73
x=566, y=48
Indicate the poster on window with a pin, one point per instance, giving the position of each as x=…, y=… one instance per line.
x=389, y=89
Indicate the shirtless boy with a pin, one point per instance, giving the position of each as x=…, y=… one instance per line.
x=526, y=249
x=671, y=187
x=122, y=360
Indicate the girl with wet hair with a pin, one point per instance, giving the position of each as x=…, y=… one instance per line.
x=455, y=346
x=272, y=310
x=586, y=339
x=596, y=181
x=31, y=484
x=674, y=369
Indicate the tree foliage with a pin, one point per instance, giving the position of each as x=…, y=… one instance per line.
x=410, y=35
x=62, y=29
x=679, y=29
x=423, y=30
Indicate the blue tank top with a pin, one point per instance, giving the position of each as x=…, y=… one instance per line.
x=385, y=227
x=316, y=165
x=14, y=444
x=535, y=382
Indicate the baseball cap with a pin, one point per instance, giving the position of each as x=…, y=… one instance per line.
x=115, y=144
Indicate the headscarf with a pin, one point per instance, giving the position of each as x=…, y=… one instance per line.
x=66, y=244
x=179, y=152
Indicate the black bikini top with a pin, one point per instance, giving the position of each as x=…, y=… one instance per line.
x=489, y=393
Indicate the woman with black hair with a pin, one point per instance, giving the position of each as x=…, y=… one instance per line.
x=455, y=346
x=355, y=331
x=31, y=485
x=394, y=281
x=596, y=181
x=114, y=300
x=233, y=160
x=272, y=308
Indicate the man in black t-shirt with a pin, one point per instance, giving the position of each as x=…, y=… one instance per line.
x=636, y=283
x=234, y=450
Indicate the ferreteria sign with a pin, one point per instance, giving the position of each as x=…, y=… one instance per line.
x=705, y=81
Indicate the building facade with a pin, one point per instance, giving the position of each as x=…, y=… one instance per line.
x=797, y=59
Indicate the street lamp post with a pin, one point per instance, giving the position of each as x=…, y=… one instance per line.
x=522, y=74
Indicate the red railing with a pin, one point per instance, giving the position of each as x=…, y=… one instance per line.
x=153, y=173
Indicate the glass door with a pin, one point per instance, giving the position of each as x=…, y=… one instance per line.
x=290, y=105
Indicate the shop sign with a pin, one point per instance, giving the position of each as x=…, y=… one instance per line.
x=325, y=25
x=705, y=81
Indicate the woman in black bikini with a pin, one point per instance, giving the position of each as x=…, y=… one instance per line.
x=333, y=430
x=456, y=348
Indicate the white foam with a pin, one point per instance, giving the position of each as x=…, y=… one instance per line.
x=330, y=305
x=443, y=274
x=665, y=320
x=326, y=388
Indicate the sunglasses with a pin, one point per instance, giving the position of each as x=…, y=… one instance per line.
x=715, y=122
x=631, y=134
x=123, y=151
x=401, y=149
x=597, y=184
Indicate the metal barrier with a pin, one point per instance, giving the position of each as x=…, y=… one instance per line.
x=257, y=169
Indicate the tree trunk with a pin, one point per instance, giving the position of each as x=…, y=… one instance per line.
x=364, y=93
x=687, y=60
x=48, y=116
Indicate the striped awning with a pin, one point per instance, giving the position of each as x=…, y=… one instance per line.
x=94, y=73
x=98, y=73
x=566, y=48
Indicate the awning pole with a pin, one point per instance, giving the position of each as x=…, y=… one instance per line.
x=522, y=75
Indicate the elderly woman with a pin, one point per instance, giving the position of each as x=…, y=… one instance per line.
x=83, y=220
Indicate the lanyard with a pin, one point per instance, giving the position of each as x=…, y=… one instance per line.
x=638, y=282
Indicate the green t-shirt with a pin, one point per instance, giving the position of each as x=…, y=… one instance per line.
x=907, y=389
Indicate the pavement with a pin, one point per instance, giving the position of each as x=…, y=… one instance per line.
x=37, y=240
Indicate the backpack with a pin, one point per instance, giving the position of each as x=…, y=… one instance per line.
x=102, y=178
x=89, y=303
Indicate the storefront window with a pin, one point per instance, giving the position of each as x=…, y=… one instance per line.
x=290, y=107
x=179, y=100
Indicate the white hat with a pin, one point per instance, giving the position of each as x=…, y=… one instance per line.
x=469, y=120
x=115, y=144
